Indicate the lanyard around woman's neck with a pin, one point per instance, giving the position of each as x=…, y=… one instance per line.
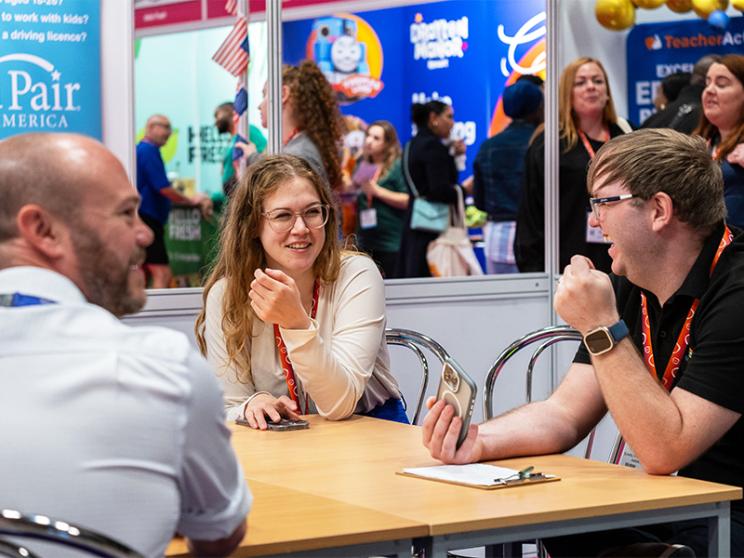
x=684, y=336
x=287, y=367
x=587, y=143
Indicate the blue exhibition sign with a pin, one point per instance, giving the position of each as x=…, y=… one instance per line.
x=50, y=67
x=463, y=52
x=655, y=50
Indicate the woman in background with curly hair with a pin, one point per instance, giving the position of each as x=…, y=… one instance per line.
x=311, y=121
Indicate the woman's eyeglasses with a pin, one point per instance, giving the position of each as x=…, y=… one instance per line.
x=283, y=220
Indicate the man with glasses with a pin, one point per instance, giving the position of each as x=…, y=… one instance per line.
x=663, y=335
x=157, y=196
x=114, y=428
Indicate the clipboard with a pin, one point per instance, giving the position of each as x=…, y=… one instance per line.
x=477, y=475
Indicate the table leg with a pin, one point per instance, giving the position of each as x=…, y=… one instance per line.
x=719, y=532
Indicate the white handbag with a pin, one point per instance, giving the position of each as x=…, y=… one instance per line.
x=451, y=253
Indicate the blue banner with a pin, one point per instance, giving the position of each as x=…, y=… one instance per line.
x=655, y=50
x=463, y=52
x=50, y=67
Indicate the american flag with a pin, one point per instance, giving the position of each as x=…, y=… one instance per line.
x=232, y=55
x=231, y=7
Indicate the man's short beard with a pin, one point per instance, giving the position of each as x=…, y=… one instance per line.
x=105, y=282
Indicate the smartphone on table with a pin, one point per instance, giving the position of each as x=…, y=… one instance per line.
x=458, y=389
x=284, y=424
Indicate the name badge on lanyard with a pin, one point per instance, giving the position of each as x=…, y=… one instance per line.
x=368, y=218
x=15, y=300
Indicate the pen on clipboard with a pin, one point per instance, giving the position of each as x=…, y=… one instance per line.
x=519, y=476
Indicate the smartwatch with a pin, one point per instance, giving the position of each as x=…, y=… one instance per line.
x=602, y=339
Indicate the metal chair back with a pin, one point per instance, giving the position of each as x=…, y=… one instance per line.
x=43, y=528
x=547, y=337
x=416, y=342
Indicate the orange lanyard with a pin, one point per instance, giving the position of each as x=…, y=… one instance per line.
x=713, y=150
x=287, y=368
x=684, y=336
x=587, y=144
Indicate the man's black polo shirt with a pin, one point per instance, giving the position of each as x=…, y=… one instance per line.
x=713, y=367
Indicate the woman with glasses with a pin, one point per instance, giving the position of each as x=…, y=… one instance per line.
x=291, y=323
x=587, y=119
x=722, y=124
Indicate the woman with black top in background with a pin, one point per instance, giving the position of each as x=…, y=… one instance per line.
x=434, y=174
x=587, y=119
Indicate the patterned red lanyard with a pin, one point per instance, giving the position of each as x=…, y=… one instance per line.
x=684, y=336
x=287, y=368
x=587, y=144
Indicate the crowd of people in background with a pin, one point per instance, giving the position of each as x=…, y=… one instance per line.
x=373, y=197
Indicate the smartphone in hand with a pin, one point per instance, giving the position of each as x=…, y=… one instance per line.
x=284, y=424
x=458, y=389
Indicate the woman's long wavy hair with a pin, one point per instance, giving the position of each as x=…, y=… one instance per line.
x=568, y=120
x=392, y=145
x=316, y=113
x=241, y=252
x=735, y=65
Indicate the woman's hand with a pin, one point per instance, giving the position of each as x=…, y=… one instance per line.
x=276, y=299
x=736, y=157
x=370, y=187
x=265, y=405
x=459, y=147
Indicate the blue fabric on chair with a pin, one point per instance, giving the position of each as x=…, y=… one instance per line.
x=392, y=409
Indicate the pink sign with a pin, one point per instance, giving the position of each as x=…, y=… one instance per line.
x=153, y=14
x=162, y=13
x=216, y=8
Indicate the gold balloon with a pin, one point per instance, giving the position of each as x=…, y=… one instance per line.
x=648, y=4
x=704, y=8
x=738, y=4
x=679, y=6
x=615, y=14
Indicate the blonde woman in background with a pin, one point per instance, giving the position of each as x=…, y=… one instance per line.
x=587, y=119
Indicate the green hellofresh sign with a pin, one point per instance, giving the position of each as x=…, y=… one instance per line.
x=189, y=240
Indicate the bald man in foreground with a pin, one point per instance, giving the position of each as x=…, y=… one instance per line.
x=113, y=428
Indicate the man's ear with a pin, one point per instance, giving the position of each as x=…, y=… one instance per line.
x=43, y=231
x=285, y=94
x=663, y=210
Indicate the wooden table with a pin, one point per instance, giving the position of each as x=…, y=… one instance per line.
x=347, y=469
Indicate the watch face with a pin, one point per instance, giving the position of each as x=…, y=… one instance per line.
x=598, y=341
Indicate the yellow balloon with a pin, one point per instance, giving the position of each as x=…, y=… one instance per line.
x=679, y=6
x=704, y=8
x=648, y=4
x=615, y=14
x=738, y=4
